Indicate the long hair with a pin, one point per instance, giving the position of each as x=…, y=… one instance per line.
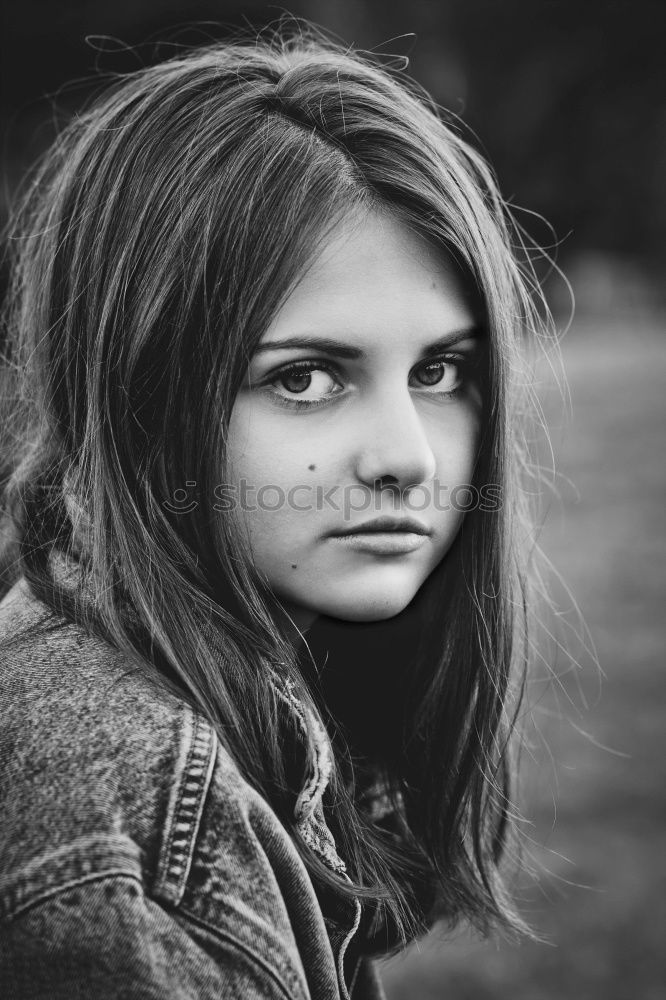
x=154, y=243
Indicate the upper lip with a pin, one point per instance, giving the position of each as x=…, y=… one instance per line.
x=387, y=524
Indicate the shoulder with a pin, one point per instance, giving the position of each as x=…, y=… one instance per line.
x=107, y=781
x=88, y=744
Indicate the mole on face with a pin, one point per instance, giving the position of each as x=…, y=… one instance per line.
x=311, y=468
x=294, y=565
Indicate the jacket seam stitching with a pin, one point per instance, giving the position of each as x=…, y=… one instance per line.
x=181, y=789
x=115, y=874
x=186, y=816
x=43, y=897
x=232, y=939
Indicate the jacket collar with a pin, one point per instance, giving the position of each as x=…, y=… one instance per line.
x=308, y=810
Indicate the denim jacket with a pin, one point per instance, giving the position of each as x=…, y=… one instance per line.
x=135, y=860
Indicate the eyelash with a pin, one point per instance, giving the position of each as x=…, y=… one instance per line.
x=463, y=364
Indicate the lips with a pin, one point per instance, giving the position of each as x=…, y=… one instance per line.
x=385, y=525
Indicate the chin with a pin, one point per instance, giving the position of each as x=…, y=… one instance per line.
x=367, y=608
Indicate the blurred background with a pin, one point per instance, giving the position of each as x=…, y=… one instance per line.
x=567, y=100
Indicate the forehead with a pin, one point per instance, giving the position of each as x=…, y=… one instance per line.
x=375, y=281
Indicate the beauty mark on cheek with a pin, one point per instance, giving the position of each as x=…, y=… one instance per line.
x=294, y=565
x=311, y=468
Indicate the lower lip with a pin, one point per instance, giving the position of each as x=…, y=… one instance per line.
x=383, y=543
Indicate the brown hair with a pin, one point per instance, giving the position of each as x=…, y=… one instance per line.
x=156, y=240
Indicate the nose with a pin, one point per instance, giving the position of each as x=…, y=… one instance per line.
x=395, y=447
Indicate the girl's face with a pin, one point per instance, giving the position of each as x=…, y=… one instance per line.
x=360, y=403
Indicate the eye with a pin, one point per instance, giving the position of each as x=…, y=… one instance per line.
x=305, y=383
x=446, y=374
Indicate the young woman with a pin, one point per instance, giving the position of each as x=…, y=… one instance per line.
x=263, y=534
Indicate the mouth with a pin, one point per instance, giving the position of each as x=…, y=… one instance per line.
x=385, y=526
x=381, y=543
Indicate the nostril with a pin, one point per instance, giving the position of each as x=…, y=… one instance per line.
x=387, y=484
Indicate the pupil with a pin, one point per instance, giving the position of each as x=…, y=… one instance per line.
x=432, y=374
x=297, y=382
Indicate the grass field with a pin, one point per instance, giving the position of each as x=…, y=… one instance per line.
x=594, y=790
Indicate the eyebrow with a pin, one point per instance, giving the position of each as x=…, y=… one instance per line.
x=337, y=349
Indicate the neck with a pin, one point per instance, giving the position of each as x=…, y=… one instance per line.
x=294, y=623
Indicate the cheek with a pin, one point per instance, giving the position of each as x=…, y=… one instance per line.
x=456, y=443
x=259, y=450
x=263, y=468
x=248, y=443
